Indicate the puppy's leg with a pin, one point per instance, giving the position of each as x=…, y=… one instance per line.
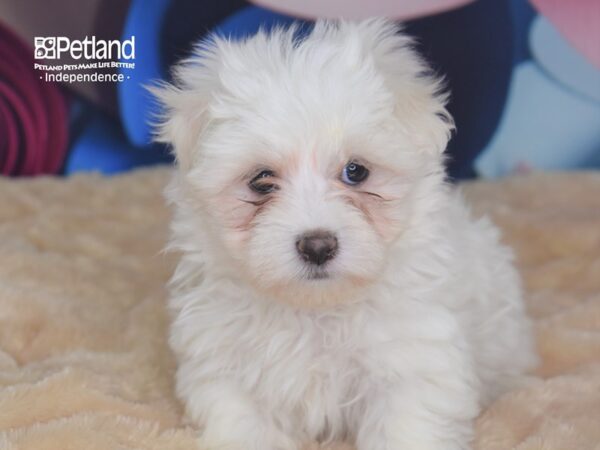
x=230, y=420
x=423, y=410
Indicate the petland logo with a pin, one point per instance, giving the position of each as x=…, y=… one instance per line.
x=89, y=60
x=89, y=48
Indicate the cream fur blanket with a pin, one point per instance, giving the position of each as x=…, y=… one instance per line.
x=84, y=362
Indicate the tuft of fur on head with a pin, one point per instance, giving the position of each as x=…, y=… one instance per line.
x=302, y=107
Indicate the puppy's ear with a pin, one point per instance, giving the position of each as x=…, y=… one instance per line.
x=184, y=104
x=420, y=95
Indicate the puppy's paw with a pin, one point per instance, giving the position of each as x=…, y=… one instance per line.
x=335, y=446
x=248, y=441
x=379, y=444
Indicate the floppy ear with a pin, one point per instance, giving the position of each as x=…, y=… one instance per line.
x=420, y=95
x=184, y=115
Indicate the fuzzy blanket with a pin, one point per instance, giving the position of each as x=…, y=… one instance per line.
x=84, y=362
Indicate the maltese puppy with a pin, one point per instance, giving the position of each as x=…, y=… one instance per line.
x=332, y=286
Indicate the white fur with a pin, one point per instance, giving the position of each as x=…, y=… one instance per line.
x=420, y=321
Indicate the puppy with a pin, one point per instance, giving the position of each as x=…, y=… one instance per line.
x=331, y=285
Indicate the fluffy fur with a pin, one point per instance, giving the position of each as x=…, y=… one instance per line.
x=414, y=325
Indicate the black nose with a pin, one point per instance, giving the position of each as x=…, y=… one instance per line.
x=317, y=247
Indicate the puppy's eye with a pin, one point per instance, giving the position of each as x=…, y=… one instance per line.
x=263, y=182
x=354, y=173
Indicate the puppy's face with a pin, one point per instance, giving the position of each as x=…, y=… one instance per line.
x=306, y=170
x=306, y=213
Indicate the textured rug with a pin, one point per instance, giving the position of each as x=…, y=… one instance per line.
x=84, y=362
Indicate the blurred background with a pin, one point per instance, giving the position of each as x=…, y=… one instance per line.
x=524, y=77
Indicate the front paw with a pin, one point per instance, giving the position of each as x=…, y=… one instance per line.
x=419, y=443
x=416, y=429
x=249, y=440
x=335, y=446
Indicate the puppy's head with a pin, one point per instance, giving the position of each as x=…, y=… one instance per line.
x=309, y=157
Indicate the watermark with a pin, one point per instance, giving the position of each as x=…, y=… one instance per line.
x=101, y=60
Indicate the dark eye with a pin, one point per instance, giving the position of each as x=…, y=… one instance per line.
x=263, y=182
x=354, y=173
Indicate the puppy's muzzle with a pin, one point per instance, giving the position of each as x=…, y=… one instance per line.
x=317, y=247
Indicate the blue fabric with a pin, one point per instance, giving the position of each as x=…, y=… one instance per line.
x=472, y=48
x=136, y=105
x=102, y=146
x=552, y=119
x=562, y=62
x=545, y=127
x=522, y=15
x=250, y=19
x=188, y=21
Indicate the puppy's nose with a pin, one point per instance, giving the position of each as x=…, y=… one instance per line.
x=317, y=247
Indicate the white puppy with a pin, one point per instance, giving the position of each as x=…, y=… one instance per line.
x=331, y=285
